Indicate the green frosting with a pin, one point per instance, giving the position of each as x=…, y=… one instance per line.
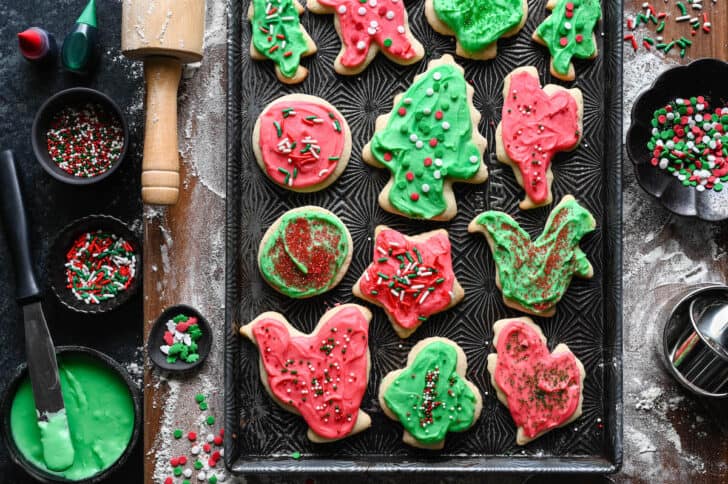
x=479, y=23
x=429, y=397
x=55, y=437
x=428, y=138
x=278, y=35
x=537, y=274
x=570, y=37
x=100, y=413
x=303, y=255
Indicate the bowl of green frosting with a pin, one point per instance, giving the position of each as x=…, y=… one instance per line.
x=103, y=410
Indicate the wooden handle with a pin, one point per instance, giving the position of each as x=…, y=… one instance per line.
x=160, y=166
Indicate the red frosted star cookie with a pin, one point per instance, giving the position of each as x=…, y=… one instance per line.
x=321, y=376
x=366, y=27
x=542, y=390
x=411, y=278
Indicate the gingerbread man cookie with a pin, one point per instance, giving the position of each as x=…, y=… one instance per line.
x=366, y=27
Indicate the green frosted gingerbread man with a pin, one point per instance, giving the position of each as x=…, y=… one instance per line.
x=427, y=142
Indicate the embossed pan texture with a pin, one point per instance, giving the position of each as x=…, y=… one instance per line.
x=260, y=435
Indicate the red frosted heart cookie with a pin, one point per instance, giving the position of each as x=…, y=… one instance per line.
x=542, y=390
x=321, y=376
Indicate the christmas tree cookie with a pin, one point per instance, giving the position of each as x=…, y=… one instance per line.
x=411, y=278
x=301, y=142
x=534, y=275
x=279, y=36
x=367, y=27
x=321, y=376
x=569, y=32
x=477, y=24
x=536, y=124
x=543, y=390
x=428, y=141
x=431, y=396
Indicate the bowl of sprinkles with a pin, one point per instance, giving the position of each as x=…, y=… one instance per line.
x=95, y=264
x=80, y=136
x=678, y=140
x=180, y=339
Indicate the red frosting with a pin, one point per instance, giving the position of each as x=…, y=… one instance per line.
x=324, y=376
x=318, y=134
x=535, y=127
x=410, y=280
x=543, y=390
x=378, y=21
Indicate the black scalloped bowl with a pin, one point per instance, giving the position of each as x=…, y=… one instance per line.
x=706, y=77
x=57, y=259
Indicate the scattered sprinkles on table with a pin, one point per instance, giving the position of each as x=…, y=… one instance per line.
x=204, y=454
x=180, y=340
x=690, y=140
x=99, y=266
x=85, y=141
x=651, y=17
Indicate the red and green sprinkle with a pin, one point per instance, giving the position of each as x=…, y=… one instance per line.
x=99, y=266
x=85, y=141
x=181, y=340
x=690, y=141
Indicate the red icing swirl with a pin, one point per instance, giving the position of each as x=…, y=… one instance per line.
x=535, y=127
x=323, y=376
x=301, y=142
x=381, y=22
x=543, y=389
x=411, y=280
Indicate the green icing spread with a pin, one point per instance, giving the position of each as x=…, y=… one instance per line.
x=278, y=35
x=55, y=437
x=479, y=23
x=303, y=255
x=428, y=138
x=536, y=274
x=577, y=32
x=429, y=397
x=100, y=413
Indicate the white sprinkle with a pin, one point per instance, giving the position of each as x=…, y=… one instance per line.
x=362, y=11
x=323, y=172
x=382, y=251
x=372, y=3
x=390, y=15
x=400, y=29
x=201, y=476
x=408, y=101
x=195, y=450
x=436, y=174
x=473, y=159
x=567, y=25
x=419, y=144
x=210, y=438
x=187, y=472
x=445, y=125
x=164, y=349
x=372, y=31
x=424, y=296
x=438, y=162
x=429, y=91
x=437, y=76
x=413, y=137
x=342, y=9
x=374, y=24
x=361, y=45
x=425, y=188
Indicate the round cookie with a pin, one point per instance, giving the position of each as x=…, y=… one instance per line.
x=428, y=141
x=321, y=376
x=366, y=27
x=431, y=396
x=302, y=142
x=477, y=24
x=411, y=278
x=536, y=124
x=279, y=36
x=306, y=252
x=569, y=32
x=542, y=390
x=534, y=275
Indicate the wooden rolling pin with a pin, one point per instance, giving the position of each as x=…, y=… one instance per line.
x=165, y=34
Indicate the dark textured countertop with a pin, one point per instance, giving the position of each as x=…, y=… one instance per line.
x=51, y=205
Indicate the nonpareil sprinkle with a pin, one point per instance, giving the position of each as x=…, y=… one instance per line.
x=180, y=339
x=85, y=141
x=99, y=266
x=690, y=140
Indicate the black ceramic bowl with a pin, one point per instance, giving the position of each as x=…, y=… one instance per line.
x=57, y=260
x=156, y=339
x=41, y=475
x=706, y=77
x=75, y=96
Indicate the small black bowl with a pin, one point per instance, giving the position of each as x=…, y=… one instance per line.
x=156, y=339
x=57, y=260
x=703, y=77
x=41, y=475
x=75, y=96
